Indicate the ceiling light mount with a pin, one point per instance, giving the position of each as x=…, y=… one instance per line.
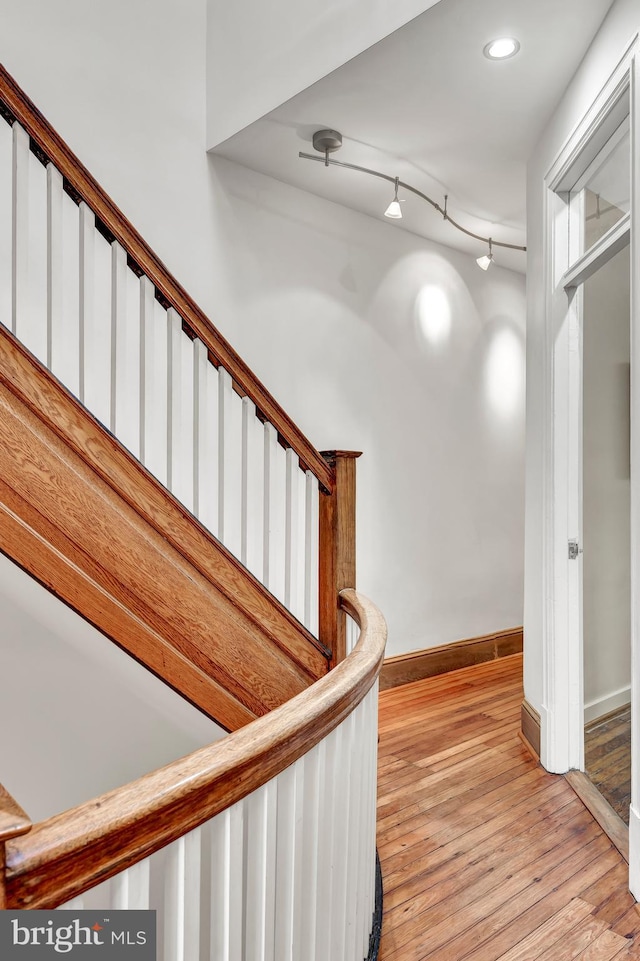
x=503, y=48
x=326, y=142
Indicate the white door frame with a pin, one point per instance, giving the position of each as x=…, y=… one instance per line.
x=562, y=741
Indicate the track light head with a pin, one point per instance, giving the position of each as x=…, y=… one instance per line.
x=394, y=210
x=486, y=260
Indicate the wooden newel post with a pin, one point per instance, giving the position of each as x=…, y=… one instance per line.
x=13, y=823
x=337, y=550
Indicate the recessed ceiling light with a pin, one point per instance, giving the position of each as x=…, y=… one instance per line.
x=501, y=49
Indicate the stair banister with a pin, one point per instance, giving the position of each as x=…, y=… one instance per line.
x=324, y=811
x=247, y=436
x=50, y=146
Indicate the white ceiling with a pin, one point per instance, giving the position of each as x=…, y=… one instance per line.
x=424, y=104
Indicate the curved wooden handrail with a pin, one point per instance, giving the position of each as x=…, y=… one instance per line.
x=16, y=105
x=64, y=856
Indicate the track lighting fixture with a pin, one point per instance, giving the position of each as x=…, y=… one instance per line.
x=485, y=261
x=394, y=211
x=327, y=141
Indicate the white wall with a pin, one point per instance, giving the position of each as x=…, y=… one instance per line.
x=259, y=58
x=370, y=337
x=382, y=342
x=619, y=27
x=78, y=715
x=606, y=489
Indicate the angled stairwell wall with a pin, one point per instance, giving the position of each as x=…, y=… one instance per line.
x=80, y=716
x=255, y=63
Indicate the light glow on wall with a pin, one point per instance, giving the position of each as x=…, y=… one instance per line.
x=433, y=312
x=504, y=373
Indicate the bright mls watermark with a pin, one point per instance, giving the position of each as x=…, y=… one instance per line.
x=78, y=935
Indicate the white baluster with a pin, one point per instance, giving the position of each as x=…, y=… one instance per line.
x=98, y=358
x=65, y=346
x=229, y=464
x=205, y=416
x=261, y=809
x=353, y=932
x=32, y=326
x=125, y=369
x=130, y=888
x=325, y=865
x=274, y=512
x=227, y=884
x=288, y=855
x=118, y=337
x=365, y=828
x=294, y=532
x=372, y=729
x=182, y=899
x=180, y=393
x=153, y=382
x=311, y=553
x=352, y=635
x=369, y=809
x=252, y=489
x=20, y=227
x=6, y=223
x=340, y=815
x=86, y=299
x=311, y=841
x=174, y=394
x=55, y=320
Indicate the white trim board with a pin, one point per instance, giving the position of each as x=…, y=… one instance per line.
x=562, y=743
x=605, y=705
x=634, y=852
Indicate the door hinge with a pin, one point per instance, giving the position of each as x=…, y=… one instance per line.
x=574, y=550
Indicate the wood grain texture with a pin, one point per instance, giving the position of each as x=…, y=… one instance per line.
x=485, y=856
x=112, y=527
x=337, y=541
x=607, y=758
x=610, y=822
x=530, y=727
x=63, y=856
x=405, y=668
x=84, y=187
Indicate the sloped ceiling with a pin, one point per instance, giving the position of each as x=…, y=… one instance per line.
x=426, y=105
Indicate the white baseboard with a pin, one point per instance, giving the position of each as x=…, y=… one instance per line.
x=634, y=852
x=604, y=705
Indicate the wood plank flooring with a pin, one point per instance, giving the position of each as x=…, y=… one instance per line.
x=607, y=749
x=485, y=856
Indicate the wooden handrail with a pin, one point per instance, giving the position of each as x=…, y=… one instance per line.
x=64, y=856
x=81, y=185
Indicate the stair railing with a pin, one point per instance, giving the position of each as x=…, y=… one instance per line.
x=90, y=299
x=261, y=846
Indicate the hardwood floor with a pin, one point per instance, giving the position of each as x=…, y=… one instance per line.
x=607, y=749
x=485, y=856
